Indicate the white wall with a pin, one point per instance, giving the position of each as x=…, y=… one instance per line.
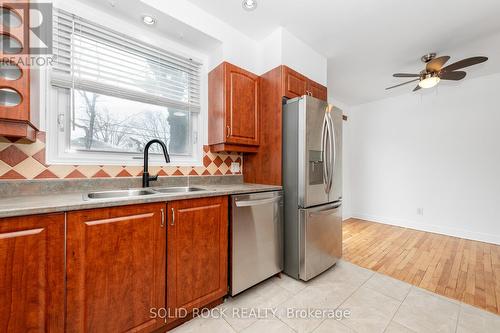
x=236, y=47
x=346, y=167
x=281, y=47
x=439, y=151
x=271, y=51
x=302, y=58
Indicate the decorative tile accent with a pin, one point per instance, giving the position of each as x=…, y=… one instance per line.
x=12, y=155
x=218, y=161
x=4, y=167
x=75, y=174
x=46, y=174
x=11, y=175
x=20, y=159
x=124, y=173
x=29, y=168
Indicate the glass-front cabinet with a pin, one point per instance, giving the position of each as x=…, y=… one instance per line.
x=16, y=119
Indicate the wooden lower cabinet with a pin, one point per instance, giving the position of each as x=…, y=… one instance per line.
x=115, y=268
x=120, y=274
x=197, y=259
x=32, y=274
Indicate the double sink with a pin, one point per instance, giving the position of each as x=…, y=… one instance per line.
x=140, y=192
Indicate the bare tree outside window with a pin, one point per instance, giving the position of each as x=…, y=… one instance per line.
x=106, y=123
x=87, y=124
x=120, y=94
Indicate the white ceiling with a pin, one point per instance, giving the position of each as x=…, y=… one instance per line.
x=366, y=41
x=133, y=11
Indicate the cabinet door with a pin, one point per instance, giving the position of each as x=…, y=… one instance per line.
x=197, y=253
x=294, y=84
x=242, y=106
x=16, y=119
x=317, y=90
x=32, y=274
x=115, y=269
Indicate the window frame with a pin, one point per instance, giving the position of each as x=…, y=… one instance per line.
x=57, y=145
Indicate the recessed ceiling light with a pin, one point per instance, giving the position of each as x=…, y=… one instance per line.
x=249, y=4
x=149, y=20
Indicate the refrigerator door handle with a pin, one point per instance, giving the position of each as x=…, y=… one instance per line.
x=329, y=150
x=333, y=151
x=324, y=148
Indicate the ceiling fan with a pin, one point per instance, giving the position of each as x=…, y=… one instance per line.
x=435, y=71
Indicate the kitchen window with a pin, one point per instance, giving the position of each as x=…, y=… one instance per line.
x=111, y=94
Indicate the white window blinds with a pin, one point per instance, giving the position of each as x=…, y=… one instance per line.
x=93, y=58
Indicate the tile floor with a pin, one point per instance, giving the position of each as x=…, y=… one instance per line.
x=370, y=301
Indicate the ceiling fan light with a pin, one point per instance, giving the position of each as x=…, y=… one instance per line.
x=429, y=82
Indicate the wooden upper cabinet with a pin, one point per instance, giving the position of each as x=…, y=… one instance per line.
x=294, y=83
x=197, y=259
x=233, y=106
x=32, y=274
x=265, y=167
x=116, y=268
x=317, y=90
x=16, y=119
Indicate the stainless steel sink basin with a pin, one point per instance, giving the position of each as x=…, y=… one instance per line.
x=118, y=194
x=185, y=189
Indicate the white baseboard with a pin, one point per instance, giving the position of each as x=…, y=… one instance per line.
x=461, y=233
x=346, y=215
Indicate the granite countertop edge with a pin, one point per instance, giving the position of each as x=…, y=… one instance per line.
x=46, y=204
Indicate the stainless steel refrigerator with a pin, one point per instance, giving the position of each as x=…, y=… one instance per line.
x=312, y=180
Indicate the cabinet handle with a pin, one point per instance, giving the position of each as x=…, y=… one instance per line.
x=228, y=131
x=173, y=217
x=162, y=218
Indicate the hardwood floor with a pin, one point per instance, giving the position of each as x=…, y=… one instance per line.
x=466, y=270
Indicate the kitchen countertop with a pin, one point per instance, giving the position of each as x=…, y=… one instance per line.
x=42, y=204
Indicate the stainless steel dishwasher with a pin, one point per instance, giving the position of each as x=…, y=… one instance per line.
x=256, y=238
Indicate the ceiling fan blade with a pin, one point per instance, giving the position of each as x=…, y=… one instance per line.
x=401, y=84
x=455, y=76
x=435, y=65
x=464, y=63
x=405, y=75
x=417, y=88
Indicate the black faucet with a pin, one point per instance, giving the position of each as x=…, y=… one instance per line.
x=146, y=178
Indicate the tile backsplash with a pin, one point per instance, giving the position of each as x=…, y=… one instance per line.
x=22, y=160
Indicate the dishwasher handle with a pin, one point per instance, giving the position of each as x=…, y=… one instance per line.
x=250, y=203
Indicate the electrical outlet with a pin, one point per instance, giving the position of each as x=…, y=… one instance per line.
x=420, y=211
x=235, y=167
